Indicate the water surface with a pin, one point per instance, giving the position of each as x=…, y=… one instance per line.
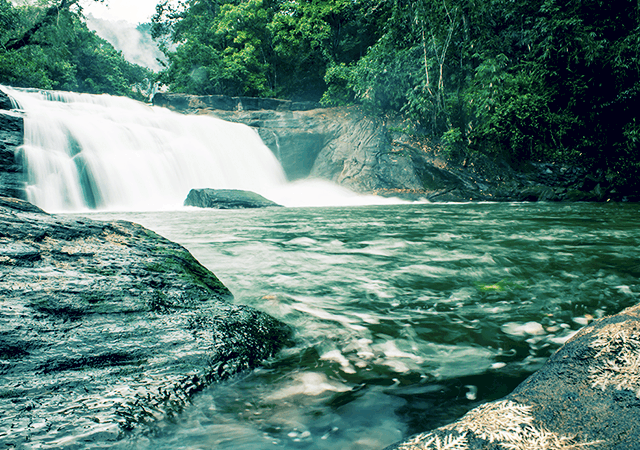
x=405, y=316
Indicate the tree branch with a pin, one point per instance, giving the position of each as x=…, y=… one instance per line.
x=50, y=16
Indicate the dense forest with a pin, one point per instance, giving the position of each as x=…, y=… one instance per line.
x=544, y=80
x=553, y=80
x=47, y=45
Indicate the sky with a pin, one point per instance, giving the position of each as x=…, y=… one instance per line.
x=134, y=11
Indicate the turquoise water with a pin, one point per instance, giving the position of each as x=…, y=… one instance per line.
x=405, y=316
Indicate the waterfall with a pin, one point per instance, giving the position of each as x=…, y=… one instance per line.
x=86, y=151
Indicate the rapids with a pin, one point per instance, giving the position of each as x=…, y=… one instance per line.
x=406, y=316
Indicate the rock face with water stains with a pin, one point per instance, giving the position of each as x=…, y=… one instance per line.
x=343, y=145
x=226, y=199
x=373, y=155
x=108, y=328
x=586, y=396
x=11, y=138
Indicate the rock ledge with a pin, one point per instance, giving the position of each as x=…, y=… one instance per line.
x=107, y=328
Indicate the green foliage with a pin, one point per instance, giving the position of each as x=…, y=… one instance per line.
x=262, y=47
x=339, y=91
x=550, y=80
x=40, y=52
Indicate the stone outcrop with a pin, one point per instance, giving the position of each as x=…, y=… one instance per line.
x=372, y=155
x=343, y=145
x=182, y=102
x=587, y=396
x=11, y=138
x=226, y=199
x=107, y=328
x=367, y=154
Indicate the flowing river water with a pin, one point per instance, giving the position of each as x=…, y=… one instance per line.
x=405, y=316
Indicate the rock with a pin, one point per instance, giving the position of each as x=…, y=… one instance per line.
x=107, y=328
x=226, y=199
x=587, y=395
x=5, y=101
x=182, y=102
x=351, y=148
x=11, y=138
x=367, y=154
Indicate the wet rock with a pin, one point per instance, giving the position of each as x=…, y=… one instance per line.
x=368, y=154
x=343, y=145
x=11, y=138
x=5, y=101
x=587, y=395
x=182, y=102
x=107, y=328
x=226, y=199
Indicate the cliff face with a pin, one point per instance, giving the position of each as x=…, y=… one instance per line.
x=367, y=154
x=343, y=145
x=11, y=138
x=370, y=154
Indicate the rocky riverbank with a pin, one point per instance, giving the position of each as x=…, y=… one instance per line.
x=108, y=329
x=373, y=155
x=367, y=154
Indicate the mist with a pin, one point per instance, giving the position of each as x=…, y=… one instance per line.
x=136, y=46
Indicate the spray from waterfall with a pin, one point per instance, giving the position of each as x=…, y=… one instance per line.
x=102, y=152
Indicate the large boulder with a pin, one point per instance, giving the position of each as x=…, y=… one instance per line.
x=226, y=199
x=586, y=396
x=107, y=328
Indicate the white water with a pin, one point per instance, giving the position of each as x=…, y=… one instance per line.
x=112, y=153
x=98, y=151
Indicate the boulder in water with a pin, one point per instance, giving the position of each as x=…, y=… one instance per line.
x=226, y=199
x=107, y=328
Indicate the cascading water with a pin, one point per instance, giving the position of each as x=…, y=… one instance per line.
x=102, y=152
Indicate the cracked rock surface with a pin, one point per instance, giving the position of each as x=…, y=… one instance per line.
x=107, y=328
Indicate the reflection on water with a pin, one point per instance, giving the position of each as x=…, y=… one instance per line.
x=406, y=316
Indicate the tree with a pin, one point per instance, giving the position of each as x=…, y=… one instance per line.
x=49, y=17
x=261, y=47
x=38, y=51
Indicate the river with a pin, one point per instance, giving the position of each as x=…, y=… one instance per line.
x=405, y=316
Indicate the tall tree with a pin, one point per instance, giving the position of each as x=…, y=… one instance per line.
x=49, y=46
x=49, y=17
